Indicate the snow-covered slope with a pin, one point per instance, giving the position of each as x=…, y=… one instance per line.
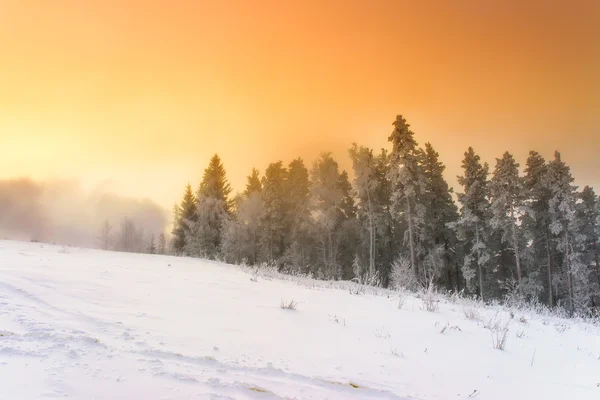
x=89, y=324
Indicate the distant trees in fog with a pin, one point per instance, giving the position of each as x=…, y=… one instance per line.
x=130, y=238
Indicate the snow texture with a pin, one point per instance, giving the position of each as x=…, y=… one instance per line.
x=88, y=324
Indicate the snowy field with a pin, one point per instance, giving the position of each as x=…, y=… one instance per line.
x=88, y=324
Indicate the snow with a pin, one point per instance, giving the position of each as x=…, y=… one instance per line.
x=86, y=324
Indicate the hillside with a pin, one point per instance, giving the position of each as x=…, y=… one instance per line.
x=84, y=324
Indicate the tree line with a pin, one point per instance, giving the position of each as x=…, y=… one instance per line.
x=519, y=236
x=131, y=238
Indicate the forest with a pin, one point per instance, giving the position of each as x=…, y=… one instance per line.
x=509, y=234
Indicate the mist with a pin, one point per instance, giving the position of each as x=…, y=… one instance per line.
x=62, y=212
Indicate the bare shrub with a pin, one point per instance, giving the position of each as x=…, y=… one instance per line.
x=470, y=309
x=429, y=299
x=401, y=299
x=402, y=276
x=288, y=305
x=395, y=352
x=382, y=333
x=499, y=331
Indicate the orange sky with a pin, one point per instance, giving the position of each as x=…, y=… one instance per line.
x=137, y=95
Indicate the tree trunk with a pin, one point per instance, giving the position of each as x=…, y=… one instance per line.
x=413, y=258
x=550, y=297
x=516, y=246
x=479, y=270
x=569, y=277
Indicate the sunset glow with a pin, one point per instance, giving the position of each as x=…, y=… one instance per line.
x=137, y=95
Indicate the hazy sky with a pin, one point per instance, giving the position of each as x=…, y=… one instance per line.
x=137, y=95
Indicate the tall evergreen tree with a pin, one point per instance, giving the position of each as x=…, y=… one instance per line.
x=253, y=185
x=439, y=239
x=162, y=244
x=536, y=222
x=564, y=226
x=365, y=187
x=215, y=185
x=588, y=214
x=408, y=181
x=275, y=211
x=299, y=245
x=507, y=197
x=183, y=215
x=474, y=219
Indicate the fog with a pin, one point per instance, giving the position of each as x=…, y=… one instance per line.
x=63, y=213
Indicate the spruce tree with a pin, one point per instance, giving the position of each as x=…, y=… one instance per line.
x=564, y=226
x=184, y=215
x=299, y=245
x=439, y=239
x=536, y=223
x=472, y=225
x=587, y=213
x=253, y=185
x=215, y=185
x=507, y=197
x=408, y=181
x=275, y=211
x=162, y=244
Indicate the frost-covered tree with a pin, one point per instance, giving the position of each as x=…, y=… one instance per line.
x=253, y=185
x=215, y=185
x=539, y=253
x=213, y=209
x=183, y=216
x=407, y=180
x=365, y=188
x=161, y=248
x=564, y=227
x=472, y=226
x=274, y=218
x=438, y=239
x=299, y=242
x=151, y=249
x=507, y=198
x=327, y=198
x=106, y=235
x=588, y=214
x=205, y=234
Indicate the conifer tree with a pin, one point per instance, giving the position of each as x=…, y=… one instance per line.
x=506, y=200
x=162, y=244
x=536, y=222
x=299, y=245
x=253, y=185
x=439, y=239
x=215, y=185
x=275, y=211
x=184, y=215
x=406, y=176
x=564, y=224
x=473, y=222
x=365, y=187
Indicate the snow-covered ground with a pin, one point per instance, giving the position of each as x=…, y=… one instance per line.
x=89, y=324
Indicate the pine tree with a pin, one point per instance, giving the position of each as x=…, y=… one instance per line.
x=328, y=196
x=214, y=184
x=253, y=185
x=299, y=244
x=407, y=180
x=474, y=218
x=564, y=224
x=365, y=187
x=151, y=245
x=184, y=215
x=106, y=235
x=588, y=215
x=275, y=211
x=439, y=239
x=162, y=244
x=205, y=234
x=507, y=197
x=536, y=222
